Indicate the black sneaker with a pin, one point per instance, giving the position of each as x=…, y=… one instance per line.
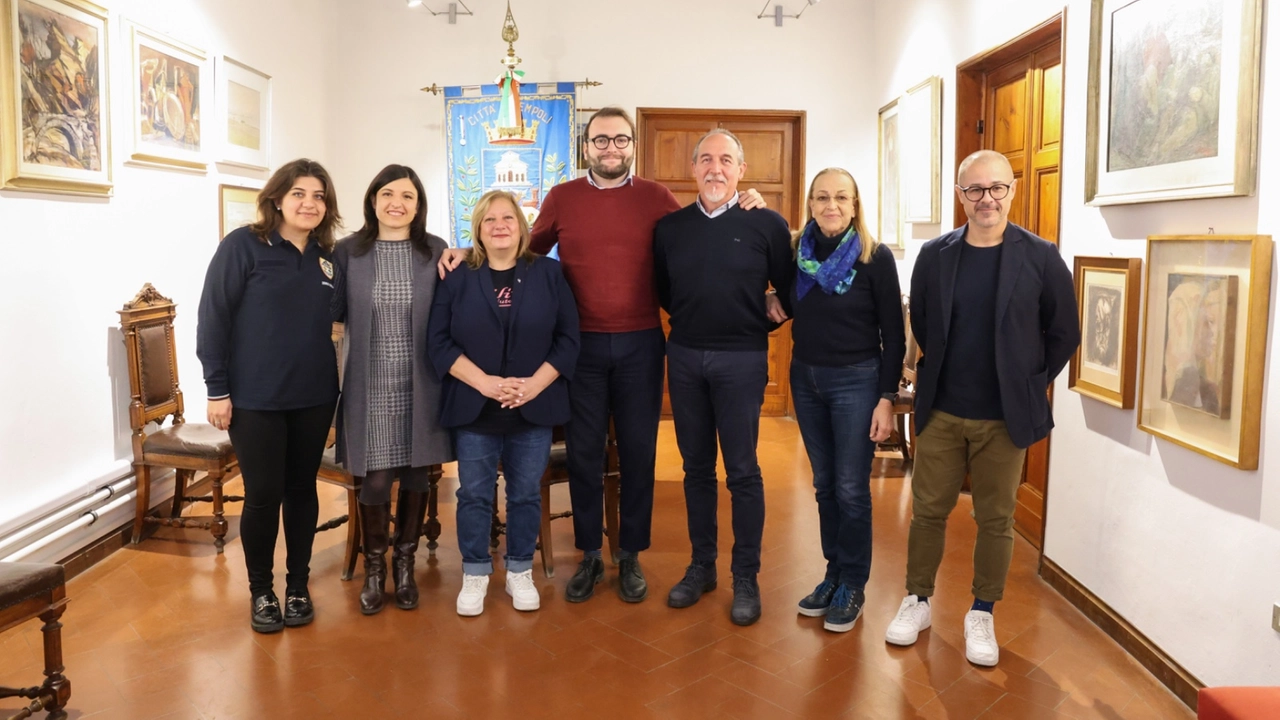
x=815, y=603
x=265, y=613
x=746, y=600
x=632, y=587
x=697, y=580
x=298, y=610
x=845, y=609
x=583, y=583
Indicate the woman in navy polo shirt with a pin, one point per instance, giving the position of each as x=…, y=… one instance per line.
x=264, y=338
x=504, y=336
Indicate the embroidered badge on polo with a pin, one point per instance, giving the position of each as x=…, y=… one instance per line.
x=327, y=267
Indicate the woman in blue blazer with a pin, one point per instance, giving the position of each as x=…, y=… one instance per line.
x=503, y=335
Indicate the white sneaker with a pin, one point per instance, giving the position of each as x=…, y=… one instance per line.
x=524, y=596
x=471, y=599
x=980, y=638
x=913, y=616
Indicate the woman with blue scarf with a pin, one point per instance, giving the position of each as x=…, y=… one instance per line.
x=845, y=368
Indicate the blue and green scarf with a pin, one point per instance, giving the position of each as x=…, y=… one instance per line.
x=834, y=275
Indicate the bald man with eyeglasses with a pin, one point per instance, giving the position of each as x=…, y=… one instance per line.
x=993, y=309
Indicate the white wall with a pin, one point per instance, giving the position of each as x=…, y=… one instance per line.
x=1185, y=548
x=70, y=263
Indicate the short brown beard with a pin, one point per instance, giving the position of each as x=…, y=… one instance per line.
x=598, y=168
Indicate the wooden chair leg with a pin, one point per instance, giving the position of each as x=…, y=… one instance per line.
x=495, y=525
x=181, y=478
x=142, y=502
x=432, y=528
x=611, y=521
x=219, y=528
x=353, y=535
x=57, y=683
x=544, y=532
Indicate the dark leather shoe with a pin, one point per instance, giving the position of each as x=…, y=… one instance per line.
x=411, y=510
x=697, y=580
x=298, y=610
x=265, y=614
x=374, y=520
x=631, y=585
x=815, y=603
x=583, y=583
x=746, y=600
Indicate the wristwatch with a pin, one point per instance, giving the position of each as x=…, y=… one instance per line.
x=890, y=396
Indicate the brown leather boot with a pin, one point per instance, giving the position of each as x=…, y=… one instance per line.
x=373, y=528
x=411, y=510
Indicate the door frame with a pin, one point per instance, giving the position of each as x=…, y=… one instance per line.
x=970, y=109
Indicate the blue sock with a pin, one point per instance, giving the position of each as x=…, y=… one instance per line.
x=923, y=599
x=590, y=553
x=983, y=605
x=624, y=555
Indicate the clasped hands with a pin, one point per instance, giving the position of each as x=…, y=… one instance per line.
x=512, y=391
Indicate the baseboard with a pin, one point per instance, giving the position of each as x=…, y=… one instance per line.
x=1182, y=683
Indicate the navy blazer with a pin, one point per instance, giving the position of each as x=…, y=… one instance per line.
x=543, y=328
x=1037, y=325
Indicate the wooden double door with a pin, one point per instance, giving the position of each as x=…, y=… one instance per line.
x=1010, y=101
x=773, y=144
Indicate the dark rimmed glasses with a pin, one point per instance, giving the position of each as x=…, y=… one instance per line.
x=974, y=193
x=619, y=141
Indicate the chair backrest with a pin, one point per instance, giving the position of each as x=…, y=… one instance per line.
x=147, y=324
x=913, y=348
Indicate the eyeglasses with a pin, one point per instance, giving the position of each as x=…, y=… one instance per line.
x=841, y=200
x=973, y=193
x=619, y=141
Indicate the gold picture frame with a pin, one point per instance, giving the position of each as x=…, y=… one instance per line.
x=583, y=116
x=1197, y=137
x=58, y=140
x=921, y=131
x=237, y=207
x=1204, y=343
x=891, y=231
x=171, y=84
x=1108, y=294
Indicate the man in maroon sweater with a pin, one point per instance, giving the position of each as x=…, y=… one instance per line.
x=604, y=223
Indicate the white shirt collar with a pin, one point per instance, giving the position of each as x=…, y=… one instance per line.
x=720, y=210
x=591, y=178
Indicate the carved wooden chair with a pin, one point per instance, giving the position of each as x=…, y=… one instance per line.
x=903, y=438
x=188, y=448
x=36, y=590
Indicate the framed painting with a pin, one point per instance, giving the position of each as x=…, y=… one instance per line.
x=237, y=207
x=889, y=178
x=55, y=134
x=1172, y=100
x=584, y=116
x=170, y=97
x=244, y=115
x=921, y=131
x=1204, y=343
x=1105, y=366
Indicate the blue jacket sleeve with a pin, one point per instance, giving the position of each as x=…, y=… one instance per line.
x=224, y=285
x=441, y=349
x=919, y=300
x=565, y=343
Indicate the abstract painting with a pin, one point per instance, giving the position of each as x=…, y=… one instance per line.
x=169, y=90
x=1199, y=342
x=1103, y=309
x=244, y=115
x=57, y=138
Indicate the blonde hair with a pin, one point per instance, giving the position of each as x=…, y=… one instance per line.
x=869, y=243
x=478, y=253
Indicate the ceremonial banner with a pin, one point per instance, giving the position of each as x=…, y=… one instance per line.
x=486, y=154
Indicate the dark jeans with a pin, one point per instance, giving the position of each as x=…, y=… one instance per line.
x=719, y=394
x=833, y=407
x=279, y=453
x=618, y=374
x=524, y=457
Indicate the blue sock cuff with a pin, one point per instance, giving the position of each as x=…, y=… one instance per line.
x=591, y=553
x=983, y=605
x=923, y=599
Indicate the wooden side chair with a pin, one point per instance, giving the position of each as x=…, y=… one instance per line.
x=903, y=438
x=188, y=448
x=37, y=590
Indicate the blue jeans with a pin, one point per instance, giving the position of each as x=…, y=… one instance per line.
x=833, y=407
x=524, y=457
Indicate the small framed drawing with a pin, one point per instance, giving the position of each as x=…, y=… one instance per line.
x=580, y=135
x=921, y=131
x=1204, y=343
x=889, y=177
x=237, y=207
x=244, y=115
x=1105, y=366
x=170, y=97
x=1172, y=100
x=55, y=117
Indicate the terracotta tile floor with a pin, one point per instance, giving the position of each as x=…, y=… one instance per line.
x=161, y=631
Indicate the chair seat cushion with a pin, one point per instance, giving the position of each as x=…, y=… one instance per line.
x=559, y=460
x=1239, y=703
x=191, y=439
x=20, y=582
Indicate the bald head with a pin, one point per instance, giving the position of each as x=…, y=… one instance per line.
x=990, y=159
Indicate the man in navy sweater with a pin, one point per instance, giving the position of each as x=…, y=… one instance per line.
x=714, y=262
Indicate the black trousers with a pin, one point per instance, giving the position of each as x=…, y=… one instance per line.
x=279, y=453
x=717, y=395
x=618, y=374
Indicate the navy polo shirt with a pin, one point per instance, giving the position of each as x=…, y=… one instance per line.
x=264, y=328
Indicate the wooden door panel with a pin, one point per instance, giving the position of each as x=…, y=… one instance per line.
x=1046, y=201
x=1008, y=128
x=671, y=159
x=764, y=150
x=1051, y=107
x=777, y=391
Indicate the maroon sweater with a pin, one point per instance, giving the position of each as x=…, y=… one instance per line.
x=606, y=249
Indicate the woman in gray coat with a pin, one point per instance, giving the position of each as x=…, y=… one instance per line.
x=388, y=421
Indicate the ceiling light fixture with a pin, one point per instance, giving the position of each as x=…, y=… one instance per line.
x=778, y=13
x=452, y=11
